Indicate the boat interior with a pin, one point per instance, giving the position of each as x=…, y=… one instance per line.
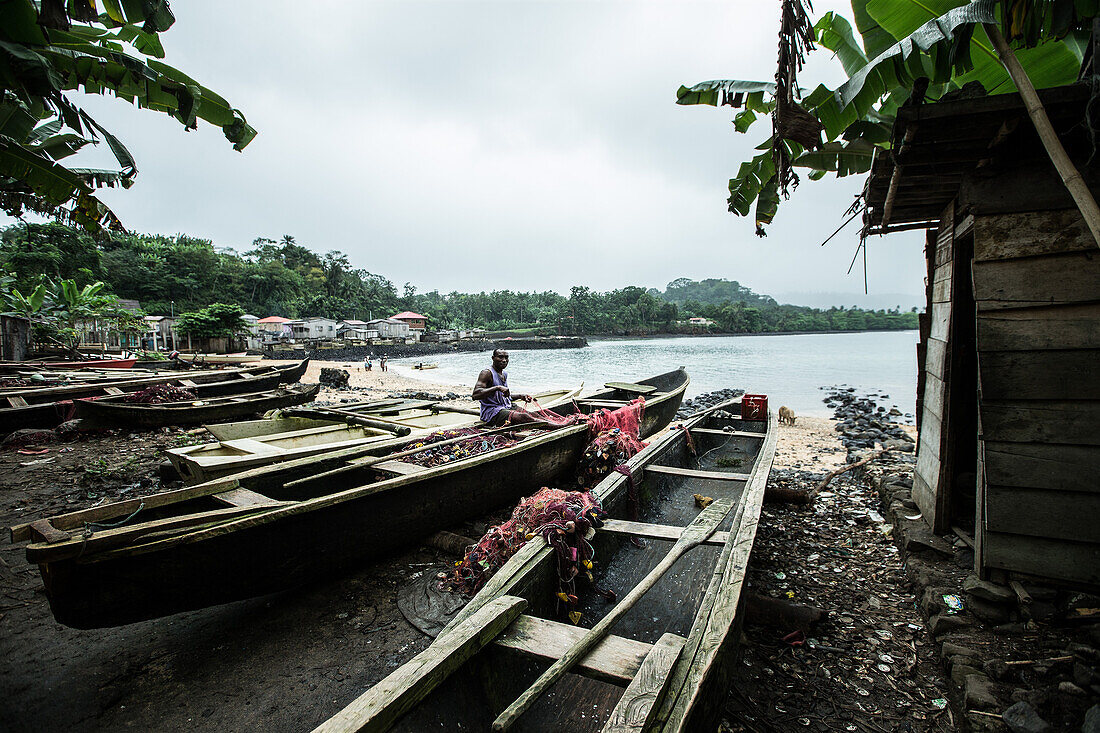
x=717, y=462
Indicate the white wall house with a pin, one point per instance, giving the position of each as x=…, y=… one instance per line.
x=389, y=328
x=313, y=328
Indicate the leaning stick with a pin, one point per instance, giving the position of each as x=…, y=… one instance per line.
x=843, y=469
x=694, y=534
x=1071, y=177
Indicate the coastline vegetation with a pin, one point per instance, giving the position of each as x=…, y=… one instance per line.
x=183, y=274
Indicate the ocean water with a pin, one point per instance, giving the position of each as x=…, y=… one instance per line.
x=789, y=369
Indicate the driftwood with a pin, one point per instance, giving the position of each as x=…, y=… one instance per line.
x=794, y=496
x=449, y=542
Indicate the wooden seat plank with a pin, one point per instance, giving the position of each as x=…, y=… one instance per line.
x=399, y=467
x=251, y=446
x=378, y=708
x=667, y=532
x=113, y=390
x=638, y=706
x=188, y=383
x=642, y=389
x=615, y=659
x=734, y=433
x=246, y=497
x=695, y=473
x=17, y=401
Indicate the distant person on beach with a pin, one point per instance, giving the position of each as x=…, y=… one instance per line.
x=492, y=392
x=367, y=364
x=382, y=362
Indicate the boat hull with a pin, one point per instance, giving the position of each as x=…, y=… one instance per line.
x=277, y=549
x=119, y=413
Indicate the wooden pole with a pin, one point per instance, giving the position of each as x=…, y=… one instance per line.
x=1071, y=177
x=694, y=534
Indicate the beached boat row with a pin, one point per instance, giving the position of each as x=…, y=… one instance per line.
x=45, y=407
x=278, y=526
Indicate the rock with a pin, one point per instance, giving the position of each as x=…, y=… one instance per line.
x=28, y=436
x=1022, y=718
x=995, y=668
x=960, y=672
x=950, y=649
x=942, y=623
x=1092, y=720
x=1070, y=689
x=334, y=378
x=1039, y=610
x=987, y=591
x=1009, y=629
x=901, y=445
x=978, y=694
x=919, y=538
x=69, y=427
x=993, y=613
x=167, y=471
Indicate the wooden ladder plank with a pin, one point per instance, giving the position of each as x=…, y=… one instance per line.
x=656, y=531
x=695, y=473
x=638, y=706
x=734, y=433
x=378, y=708
x=643, y=389
x=246, y=497
x=615, y=659
x=399, y=467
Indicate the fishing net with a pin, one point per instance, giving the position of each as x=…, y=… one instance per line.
x=476, y=444
x=159, y=394
x=565, y=519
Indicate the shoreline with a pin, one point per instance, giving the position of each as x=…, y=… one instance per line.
x=762, y=333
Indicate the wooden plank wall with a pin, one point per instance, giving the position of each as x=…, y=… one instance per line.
x=929, y=490
x=1037, y=287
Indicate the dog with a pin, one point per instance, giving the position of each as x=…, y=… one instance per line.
x=786, y=415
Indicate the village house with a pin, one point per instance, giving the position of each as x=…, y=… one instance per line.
x=390, y=328
x=312, y=328
x=160, y=333
x=1008, y=401
x=359, y=330
x=274, y=328
x=416, y=321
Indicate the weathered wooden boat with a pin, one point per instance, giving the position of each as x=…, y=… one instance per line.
x=278, y=526
x=260, y=442
x=667, y=665
x=44, y=407
x=117, y=411
x=89, y=364
x=422, y=365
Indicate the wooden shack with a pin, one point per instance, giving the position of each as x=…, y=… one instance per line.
x=1009, y=387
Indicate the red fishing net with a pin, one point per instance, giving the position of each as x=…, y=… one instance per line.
x=565, y=519
x=438, y=455
x=159, y=394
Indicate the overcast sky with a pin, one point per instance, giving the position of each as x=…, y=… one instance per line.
x=483, y=145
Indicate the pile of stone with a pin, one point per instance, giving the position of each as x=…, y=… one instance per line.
x=334, y=378
x=863, y=422
x=703, y=401
x=410, y=395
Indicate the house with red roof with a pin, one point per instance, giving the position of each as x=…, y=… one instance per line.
x=416, y=321
x=274, y=327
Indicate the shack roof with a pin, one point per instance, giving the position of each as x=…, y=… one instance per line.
x=938, y=145
x=274, y=319
x=410, y=315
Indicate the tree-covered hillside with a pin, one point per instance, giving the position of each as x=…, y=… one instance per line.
x=181, y=273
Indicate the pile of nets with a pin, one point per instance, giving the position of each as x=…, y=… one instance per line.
x=12, y=382
x=159, y=394
x=610, y=449
x=565, y=519
x=439, y=455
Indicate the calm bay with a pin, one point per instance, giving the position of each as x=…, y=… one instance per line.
x=789, y=368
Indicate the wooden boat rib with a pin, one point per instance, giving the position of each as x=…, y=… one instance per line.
x=241, y=358
x=667, y=665
x=251, y=444
x=278, y=526
x=117, y=411
x=35, y=407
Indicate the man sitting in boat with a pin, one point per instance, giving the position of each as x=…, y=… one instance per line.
x=495, y=397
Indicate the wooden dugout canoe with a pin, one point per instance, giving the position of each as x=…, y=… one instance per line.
x=667, y=666
x=279, y=526
x=118, y=412
x=253, y=443
x=45, y=407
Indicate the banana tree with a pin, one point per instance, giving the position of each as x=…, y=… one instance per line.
x=907, y=50
x=53, y=47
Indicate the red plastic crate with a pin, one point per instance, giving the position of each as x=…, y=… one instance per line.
x=754, y=407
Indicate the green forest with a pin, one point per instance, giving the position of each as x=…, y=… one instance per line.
x=181, y=274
